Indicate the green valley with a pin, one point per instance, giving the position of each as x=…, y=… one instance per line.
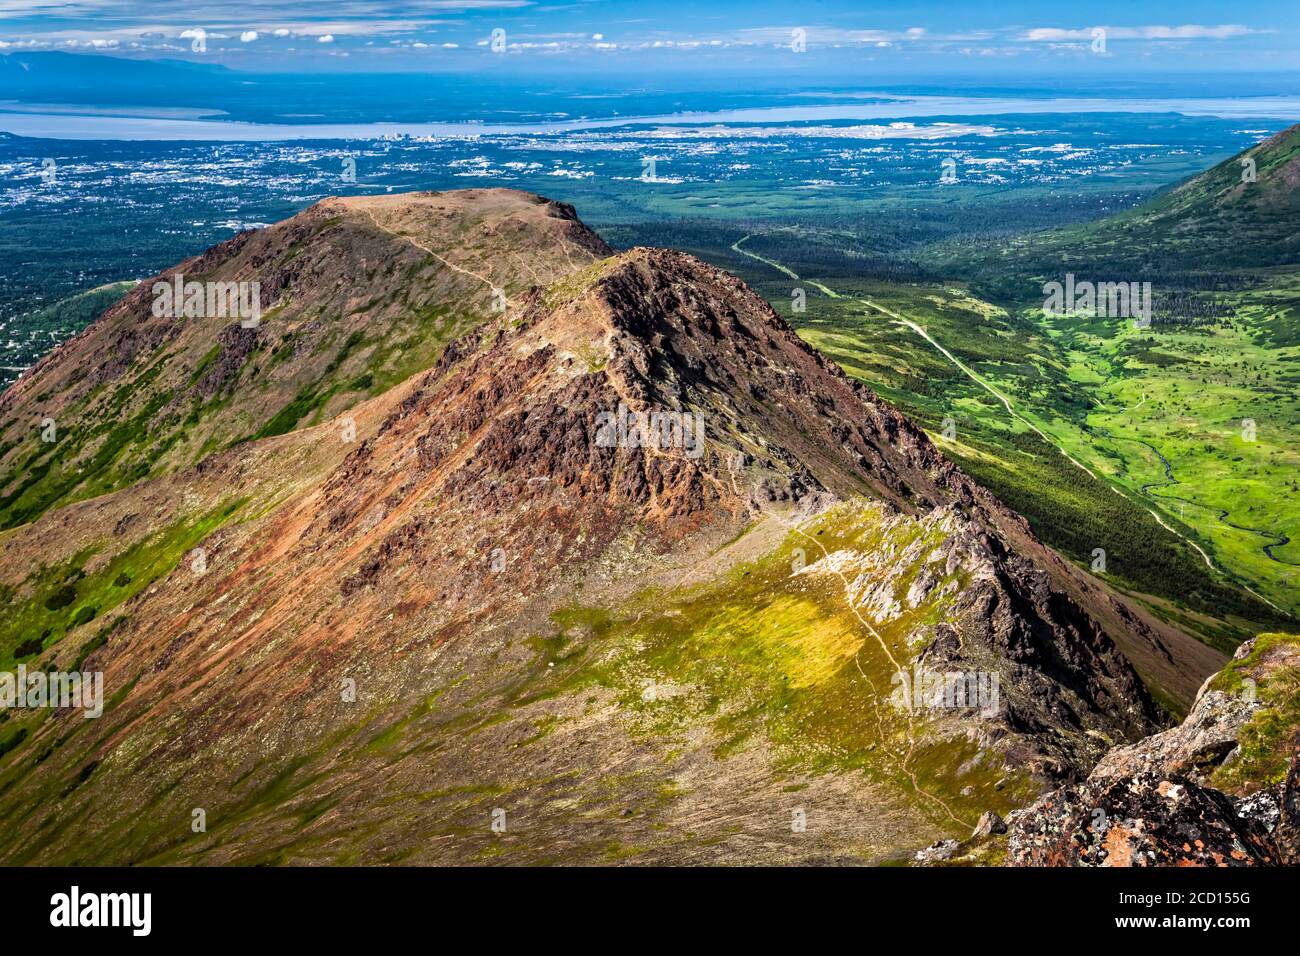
x=1164, y=456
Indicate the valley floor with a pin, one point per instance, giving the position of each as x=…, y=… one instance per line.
x=1189, y=431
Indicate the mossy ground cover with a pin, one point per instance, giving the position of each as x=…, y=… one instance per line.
x=41, y=480
x=50, y=604
x=773, y=656
x=1268, y=741
x=53, y=600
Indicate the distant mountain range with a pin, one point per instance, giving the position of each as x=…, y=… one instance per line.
x=56, y=77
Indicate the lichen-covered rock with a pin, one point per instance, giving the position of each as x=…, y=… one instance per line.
x=1253, y=687
x=1145, y=820
x=989, y=824
x=937, y=852
x=1152, y=803
x=1202, y=742
x=1263, y=809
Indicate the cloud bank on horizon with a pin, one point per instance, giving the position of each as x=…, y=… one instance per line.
x=926, y=35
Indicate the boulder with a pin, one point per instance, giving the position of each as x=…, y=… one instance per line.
x=989, y=824
x=938, y=852
x=1145, y=820
x=1202, y=742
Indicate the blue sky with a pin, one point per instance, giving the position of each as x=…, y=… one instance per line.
x=908, y=39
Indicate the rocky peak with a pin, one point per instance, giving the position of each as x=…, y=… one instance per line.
x=559, y=409
x=353, y=296
x=623, y=415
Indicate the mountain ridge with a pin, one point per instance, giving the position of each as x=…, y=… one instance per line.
x=478, y=561
x=1235, y=217
x=334, y=286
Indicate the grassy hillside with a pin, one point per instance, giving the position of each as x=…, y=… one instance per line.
x=1067, y=455
x=1171, y=448
x=1222, y=228
x=355, y=296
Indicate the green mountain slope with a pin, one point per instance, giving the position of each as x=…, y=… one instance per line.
x=482, y=612
x=1173, y=448
x=1237, y=219
x=1197, y=414
x=355, y=295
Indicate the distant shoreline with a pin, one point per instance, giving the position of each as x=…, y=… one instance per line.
x=142, y=124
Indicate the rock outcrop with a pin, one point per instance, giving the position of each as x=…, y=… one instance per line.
x=1155, y=802
x=1146, y=820
x=1195, y=748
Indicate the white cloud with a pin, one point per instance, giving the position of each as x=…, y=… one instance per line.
x=830, y=36
x=1186, y=32
x=371, y=20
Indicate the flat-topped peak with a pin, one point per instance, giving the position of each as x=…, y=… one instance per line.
x=481, y=201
